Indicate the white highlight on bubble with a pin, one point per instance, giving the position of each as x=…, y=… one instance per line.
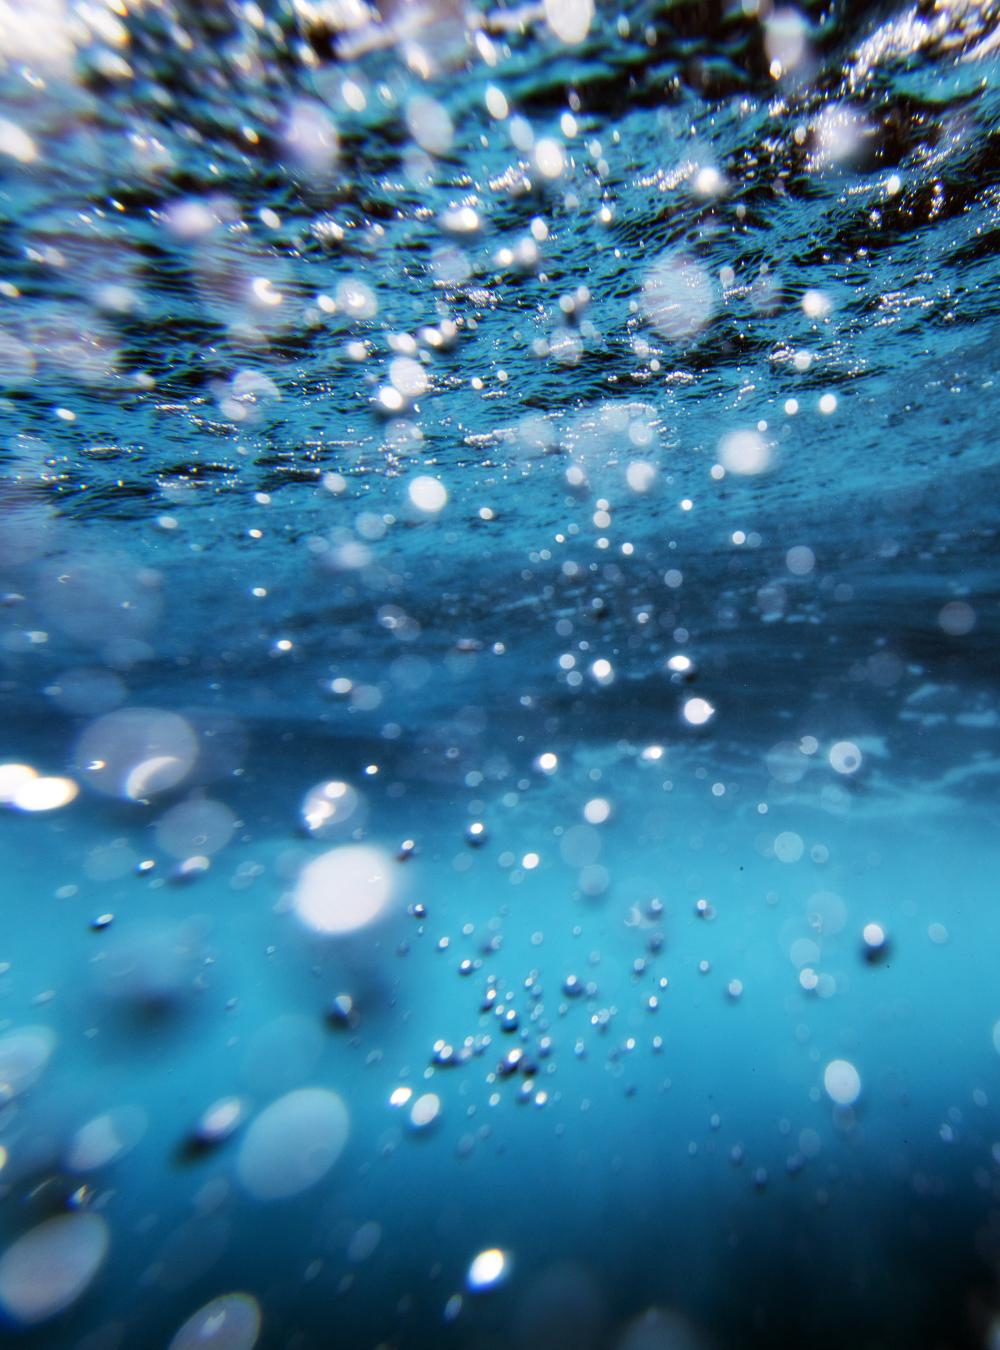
x=428, y=494
x=344, y=889
x=845, y=757
x=229, y=1322
x=698, y=711
x=488, y=1269
x=292, y=1143
x=569, y=20
x=842, y=1082
x=745, y=452
x=48, y=1269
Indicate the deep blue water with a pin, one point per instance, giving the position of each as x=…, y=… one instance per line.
x=579, y=425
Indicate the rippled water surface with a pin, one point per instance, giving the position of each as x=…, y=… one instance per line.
x=498, y=671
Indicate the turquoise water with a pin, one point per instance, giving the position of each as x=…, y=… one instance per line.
x=498, y=672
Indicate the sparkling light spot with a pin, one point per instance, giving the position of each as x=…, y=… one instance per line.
x=698, y=711
x=487, y=1270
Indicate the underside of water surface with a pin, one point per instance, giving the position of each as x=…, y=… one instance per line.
x=499, y=614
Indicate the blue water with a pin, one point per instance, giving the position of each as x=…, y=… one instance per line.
x=592, y=441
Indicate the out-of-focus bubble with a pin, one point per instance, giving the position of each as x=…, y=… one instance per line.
x=99, y=599
x=429, y=124
x=23, y=1057
x=219, y=1121
x=229, y=1322
x=678, y=297
x=745, y=452
x=785, y=40
x=356, y=299
x=660, y=1329
x=569, y=20
x=697, y=712
x=87, y=691
x=550, y=158
x=428, y=495
x=837, y=137
x=842, y=1082
x=39, y=34
x=332, y=808
x=786, y=762
x=39, y=793
x=487, y=1270
x=199, y=826
x=641, y=475
x=135, y=753
x=17, y=362
x=800, y=560
x=310, y=137
x=16, y=143
x=957, y=618
x=292, y=1143
x=564, y=1305
x=408, y=377
x=47, y=1269
x=425, y=1111
x=106, y=1138
x=344, y=889
x=845, y=757
x=191, y=218
x=150, y=972
x=13, y=779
